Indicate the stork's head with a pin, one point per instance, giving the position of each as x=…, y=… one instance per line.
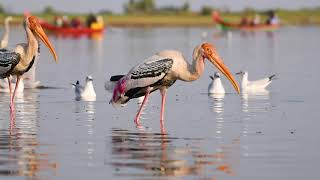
x=33, y=24
x=208, y=51
x=119, y=92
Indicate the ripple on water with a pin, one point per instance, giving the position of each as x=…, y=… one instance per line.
x=20, y=153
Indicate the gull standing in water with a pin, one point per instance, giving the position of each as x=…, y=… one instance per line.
x=257, y=85
x=216, y=87
x=85, y=92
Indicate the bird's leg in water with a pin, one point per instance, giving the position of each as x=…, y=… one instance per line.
x=10, y=91
x=136, y=120
x=15, y=91
x=163, y=93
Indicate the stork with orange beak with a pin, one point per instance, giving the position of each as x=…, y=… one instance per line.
x=160, y=71
x=21, y=58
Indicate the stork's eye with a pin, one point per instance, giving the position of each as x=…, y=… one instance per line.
x=208, y=50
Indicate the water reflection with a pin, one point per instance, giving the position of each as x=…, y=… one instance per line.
x=85, y=117
x=259, y=101
x=146, y=154
x=20, y=154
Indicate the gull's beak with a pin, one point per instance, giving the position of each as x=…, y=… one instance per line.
x=42, y=35
x=238, y=73
x=216, y=61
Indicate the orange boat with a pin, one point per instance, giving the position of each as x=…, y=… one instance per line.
x=71, y=30
x=231, y=25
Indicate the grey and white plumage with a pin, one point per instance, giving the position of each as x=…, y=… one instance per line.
x=215, y=86
x=85, y=92
x=19, y=60
x=150, y=73
x=161, y=70
x=256, y=85
x=8, y=60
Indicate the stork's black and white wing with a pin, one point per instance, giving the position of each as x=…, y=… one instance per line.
x=8, y=60
x=150, y=71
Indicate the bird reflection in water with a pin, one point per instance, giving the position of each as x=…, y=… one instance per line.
x=20, y=154
x=259, y=100
x=217, y=105
x=85, y=117
x=90, y=110
x=145, y=154
x=255, y=105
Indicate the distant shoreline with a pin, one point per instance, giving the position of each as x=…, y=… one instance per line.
x=297, y=19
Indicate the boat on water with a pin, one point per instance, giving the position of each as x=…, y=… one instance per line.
x=225, y=25
x=74, y=31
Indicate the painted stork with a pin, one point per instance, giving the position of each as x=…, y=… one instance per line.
x=160, y=71
x=5, y=37
x=216, y=87
x=21, y=58
x=256, y=85
x=85, y=92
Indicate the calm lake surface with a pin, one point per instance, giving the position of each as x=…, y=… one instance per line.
x=270, y=135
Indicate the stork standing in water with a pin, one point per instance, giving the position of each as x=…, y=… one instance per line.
x=21, y=58
x=161, y=70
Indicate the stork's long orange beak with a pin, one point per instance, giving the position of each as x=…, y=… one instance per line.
x=215, y=59
x=36, y=27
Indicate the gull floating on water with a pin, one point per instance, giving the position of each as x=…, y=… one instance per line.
x=256, y=85
x=85, y=92
x=216, y=87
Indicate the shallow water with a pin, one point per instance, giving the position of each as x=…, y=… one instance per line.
x=268, y=135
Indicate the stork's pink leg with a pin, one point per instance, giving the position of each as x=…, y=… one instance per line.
x=163, y=102
x=15, y=90
x=10, y=91
x=136, y=120
x=163, y=93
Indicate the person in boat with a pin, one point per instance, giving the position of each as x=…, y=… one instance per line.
x=256, y=20
x=76, y=22
x=65, y=21
x=58, y=21
x=272, y=19
x=244, y=21
x=91, y=19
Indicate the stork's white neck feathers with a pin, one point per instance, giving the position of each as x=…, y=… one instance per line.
x=32, y=45
x=5, y=37
x=27, y=50
x=183, y=69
